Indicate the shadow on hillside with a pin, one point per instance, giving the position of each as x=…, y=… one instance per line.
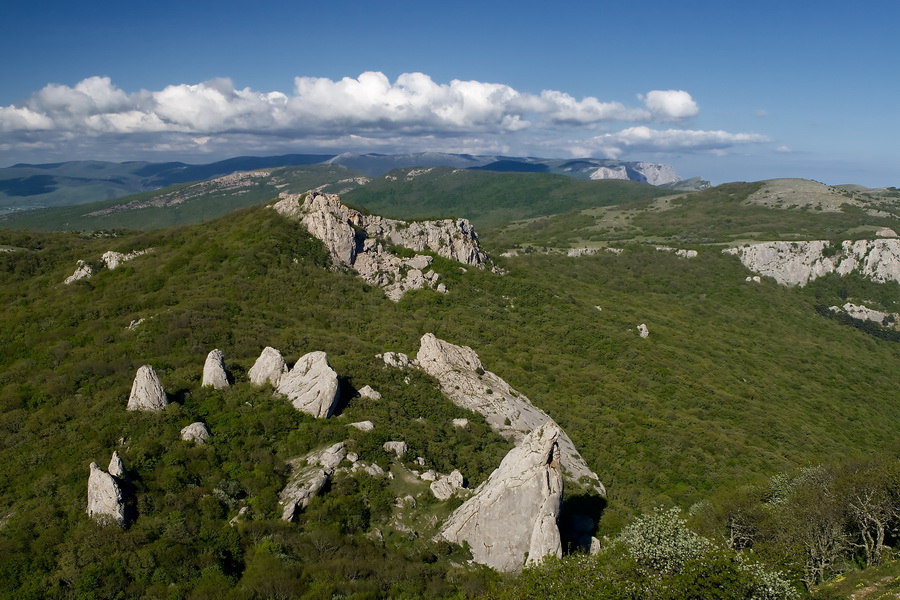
x=579, y=516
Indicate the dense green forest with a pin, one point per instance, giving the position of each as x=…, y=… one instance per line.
x=745, y=407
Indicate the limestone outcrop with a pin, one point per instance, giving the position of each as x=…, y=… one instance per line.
x=396, y=447
x=195, y=432
x=864, y=313
x=311, y=385
x=798, y=263
x=511, y=521
x=360, y=241
x=309, y=474
x=214, y=374
x=368, y=392
x=116, y=467
x=444, y=487
x=105, y=500
x=466, y=383
x=269, y=367
x=147, y=392
x=110, y=260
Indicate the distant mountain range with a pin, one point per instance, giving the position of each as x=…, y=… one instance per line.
x=27, y=187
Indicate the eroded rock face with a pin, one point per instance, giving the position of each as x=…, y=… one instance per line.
x=214, y=374
x=798, y=263
x=356, y=240
x=309, y=474
x=511, y=520
x=311, y=385
x=147, y=392
x=466, y=383
x=105, y=500
x=195, y=432
x=269, y=367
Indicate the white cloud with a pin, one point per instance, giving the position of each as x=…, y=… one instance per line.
x=370, y=111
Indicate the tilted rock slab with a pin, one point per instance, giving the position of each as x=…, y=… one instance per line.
x=352, y=239
x=511, y=521
x=311, y=385
x=147, y=392
x=269, y=367
x=464, y=380
x=214, y=374
x=105, y=500
x=798, y=263
x=309, y=474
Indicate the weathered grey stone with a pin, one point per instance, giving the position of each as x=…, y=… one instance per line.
x=214, y=374
x=460, y=422
x=395, y=359
x=116, y=467
x=466, y=383
x=368, y=392
x=105, y=501
x=643, y=330
x=311, y=385
x=309, y=474
x=363, y=425
x=147, y=392
x=444, y=487
x=195, y=432
x=269, y=367
x=511, y=520
x=398, y=448
x=82, y=271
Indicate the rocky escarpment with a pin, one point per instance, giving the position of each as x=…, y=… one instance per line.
x=465, y=382
x=360, y=241
x=147, y=392
x=511, y=520
x=105, y=500
x=798, y=263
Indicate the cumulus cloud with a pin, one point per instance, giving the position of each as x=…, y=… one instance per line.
x=369, y=110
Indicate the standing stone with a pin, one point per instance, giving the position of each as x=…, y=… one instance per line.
x=116, y=467
x=312, y=385
x=195, y=432
x=270, y=366
x=105, y=501
x=511, y=520
x=214, y=371
x=147, y=392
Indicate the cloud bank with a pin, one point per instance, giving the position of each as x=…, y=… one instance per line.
x=412, y=112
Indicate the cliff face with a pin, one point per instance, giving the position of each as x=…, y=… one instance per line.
x=358, y=241
x=798, y=263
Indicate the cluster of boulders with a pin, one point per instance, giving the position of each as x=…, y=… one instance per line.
x=110, y=260
x=798, y=263
x=361, y=242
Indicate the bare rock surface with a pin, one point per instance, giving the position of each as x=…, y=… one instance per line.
x=214, y=374
x=444, y=487
x=116, y=467
x=798, y=263
x=513, y=515
x=195, y=432
x=358, y=241
x=363, y=425
x=110, y=260
x=466, y=383
x=311, y=385
x=147, y=392
x=269, y=367
x=864, y=313
x=398, y=448
x=105, y=500
x=309, y=474
x=368, y=392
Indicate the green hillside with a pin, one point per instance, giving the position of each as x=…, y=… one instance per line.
x=736, y=383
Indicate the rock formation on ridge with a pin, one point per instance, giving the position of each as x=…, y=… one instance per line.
x=311, y=385
x=105, y=500
x=309, y=474
x=513, y=515
x=214, y=374
x=147, y=392
x=466, y=383
x=798, y=263
x=270, y=366
x=358, y=241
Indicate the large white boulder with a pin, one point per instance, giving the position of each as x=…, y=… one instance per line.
x=105, y=501
x=269, y=367
x=214, y=374
x=195, y=432
x=311, y=385
x=511, y=521
x=147, y=392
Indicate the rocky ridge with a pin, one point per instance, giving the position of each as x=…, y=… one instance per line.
x=511, y=521
x=360, y=241
x=798, y=263
x=466, y=383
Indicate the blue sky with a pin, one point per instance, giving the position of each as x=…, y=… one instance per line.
x=728, y=91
